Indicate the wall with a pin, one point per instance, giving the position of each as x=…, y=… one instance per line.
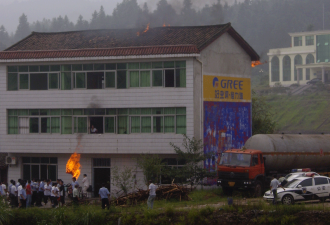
x=105, y=98
x=227, y=121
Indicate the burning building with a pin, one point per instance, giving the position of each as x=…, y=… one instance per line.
x=110, y=95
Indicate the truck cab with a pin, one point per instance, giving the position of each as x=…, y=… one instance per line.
x=241, y=169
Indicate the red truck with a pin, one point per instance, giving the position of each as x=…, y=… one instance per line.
x=252, y=167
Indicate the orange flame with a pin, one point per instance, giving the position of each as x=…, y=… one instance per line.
x=164, y=25
x=138, y=33
x=145, y=31
x=257, y=63
x=73, y=165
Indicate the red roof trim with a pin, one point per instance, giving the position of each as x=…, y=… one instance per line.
x=84, y=53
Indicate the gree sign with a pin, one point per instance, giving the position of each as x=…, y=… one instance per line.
x=226, y=89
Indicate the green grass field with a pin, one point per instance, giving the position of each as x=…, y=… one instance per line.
x=301, y=114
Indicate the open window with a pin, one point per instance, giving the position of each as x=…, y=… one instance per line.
x=95, y=80
x=38, y=81
x=169, y=78
x=96, y=125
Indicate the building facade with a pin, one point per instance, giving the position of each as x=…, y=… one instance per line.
x=111, y=95
x=306, y=59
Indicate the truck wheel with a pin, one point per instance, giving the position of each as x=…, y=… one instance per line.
x=287, y=200
x=257, y=191
x=227, y=191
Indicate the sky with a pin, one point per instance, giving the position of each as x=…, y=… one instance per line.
x=11, y=10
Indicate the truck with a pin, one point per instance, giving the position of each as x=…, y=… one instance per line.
x=252, y=167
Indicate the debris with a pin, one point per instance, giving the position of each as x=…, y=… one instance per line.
x=172, y=191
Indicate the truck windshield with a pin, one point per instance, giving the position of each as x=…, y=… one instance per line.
x=235, y=159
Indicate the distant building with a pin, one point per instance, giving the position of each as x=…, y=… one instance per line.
x=308, y=58
x=112, y=95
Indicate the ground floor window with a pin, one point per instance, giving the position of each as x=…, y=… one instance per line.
x=172, y=165
x=39, y=168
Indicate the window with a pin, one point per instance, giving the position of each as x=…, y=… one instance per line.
x=95, y=80
x=320, y=180
x=286, y=68
x=275, y=68
x=323, y=48
x=309, y=40
x=306, y=183
x=297, y=41
x=97, y=76
x=116, y=121
x=39, y=168
x=172, y=164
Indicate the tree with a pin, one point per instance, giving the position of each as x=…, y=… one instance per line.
x=81, y=24
x=124, y=179
x=194, y=156
x=4, y=38
x=23, y=28
x=151, y=166
x=164, y=14
x=262, y=116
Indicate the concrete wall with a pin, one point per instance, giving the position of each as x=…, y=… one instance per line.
x=104, y=98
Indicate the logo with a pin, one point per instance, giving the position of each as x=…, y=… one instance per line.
x=304, y=190
x=215, y=82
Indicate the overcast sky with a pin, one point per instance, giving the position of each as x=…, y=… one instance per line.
x=11, y=10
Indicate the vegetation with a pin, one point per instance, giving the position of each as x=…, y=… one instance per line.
x=193, y=157
x=302, y=113
x=175, y=212
x=264, y=24
x=151, y=166
x=123, y=179
x=262, y=116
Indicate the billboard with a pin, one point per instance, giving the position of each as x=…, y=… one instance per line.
x=227, y=115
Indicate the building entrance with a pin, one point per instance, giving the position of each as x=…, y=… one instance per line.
x=101, y=174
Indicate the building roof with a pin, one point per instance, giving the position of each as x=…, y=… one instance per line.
x=122, y=42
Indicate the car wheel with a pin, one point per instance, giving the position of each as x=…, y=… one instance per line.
x=287, y=200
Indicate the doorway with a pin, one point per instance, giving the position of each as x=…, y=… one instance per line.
x=101, y=175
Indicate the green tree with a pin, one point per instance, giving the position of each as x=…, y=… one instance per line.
x=193, y=155
x=124, y=179
x=262, y=116
x=23, y=28
x=151, y=166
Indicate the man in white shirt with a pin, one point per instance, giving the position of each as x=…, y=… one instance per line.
x=85, y=185
x=13, y=195
x=19, y=188
x=47, y=190
x=273, y=188
x=152, y=195
x=54, y=194
x=4, y=189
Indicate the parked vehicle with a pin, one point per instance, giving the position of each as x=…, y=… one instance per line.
x=302, y=189
x=291, y=176
x=252, y=167
x=314, y=81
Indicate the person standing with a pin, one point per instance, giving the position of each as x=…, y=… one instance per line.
x=152, y=195
x=22, y=195
x=54, y=194
x=4, y=188
x=85, y=185
x=75, y=194
x=13, y=195
x=62, y=193
x=47, y=188
x=41, y=191
x=273, y=188
x=104, y=195
x=34, y=186
x=28, y=194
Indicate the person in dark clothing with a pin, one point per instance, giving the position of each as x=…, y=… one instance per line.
x=104, y=195
x=62, y=193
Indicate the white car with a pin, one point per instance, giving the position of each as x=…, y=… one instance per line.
x=302, y=189
x=291, y=176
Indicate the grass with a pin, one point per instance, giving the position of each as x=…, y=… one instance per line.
x=257, y=211
x=303, y=113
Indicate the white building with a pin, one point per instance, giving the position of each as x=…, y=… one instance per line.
x=307, y=58
x=140, y=90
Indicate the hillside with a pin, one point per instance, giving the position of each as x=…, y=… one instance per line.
x=309, y=113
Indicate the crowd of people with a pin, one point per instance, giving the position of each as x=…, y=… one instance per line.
x=39, y=192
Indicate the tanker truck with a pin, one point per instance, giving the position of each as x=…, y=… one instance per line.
x=263, y=155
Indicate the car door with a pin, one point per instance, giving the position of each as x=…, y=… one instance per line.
x=321, y=186
x=307, y=189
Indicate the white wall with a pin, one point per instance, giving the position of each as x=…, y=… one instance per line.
x=104, y=98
